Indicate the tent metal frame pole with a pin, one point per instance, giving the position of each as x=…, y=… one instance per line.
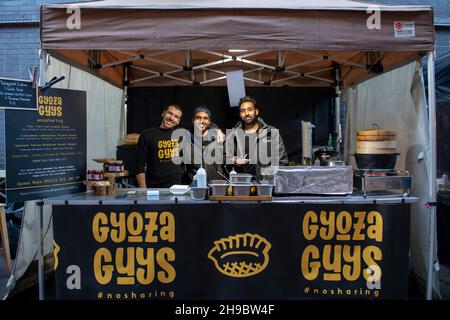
x=286, y=79
x=241, y=58
x=40, y=213
x=125, y=103
x=304, y=63
x=43, y=63
x=113, y=64
x=210, y=64
x=253, y=70
x=215, y=71
x=145, y=70
x=432, y=134
x=338, y=110
x=335, y=58
x=305, y=75
x=143, y=79
x=225, y=58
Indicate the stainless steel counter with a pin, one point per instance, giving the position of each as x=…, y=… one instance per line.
x=165, y=197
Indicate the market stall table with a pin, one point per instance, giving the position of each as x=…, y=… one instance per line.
x=132, y=247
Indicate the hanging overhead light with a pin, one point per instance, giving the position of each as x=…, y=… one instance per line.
x=237, y=50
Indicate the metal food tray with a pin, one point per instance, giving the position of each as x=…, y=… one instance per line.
x=314, y=180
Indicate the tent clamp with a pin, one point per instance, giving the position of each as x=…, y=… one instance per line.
x=268, y=83
x=196, y=83
x=126, y=83
x=187, y=68
x=279, y=68
x=325, y=57
x=97, y=66
x=430, y=204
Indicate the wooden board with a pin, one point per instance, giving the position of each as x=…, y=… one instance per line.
x=105, y=160
x=116, y=174
x=240, y=198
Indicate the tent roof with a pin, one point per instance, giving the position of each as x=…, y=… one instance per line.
x=287, y=42
x=239, y=4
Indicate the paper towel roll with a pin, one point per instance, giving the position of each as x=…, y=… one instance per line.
x=307, y=140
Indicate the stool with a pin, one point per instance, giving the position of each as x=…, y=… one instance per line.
x=5, y=239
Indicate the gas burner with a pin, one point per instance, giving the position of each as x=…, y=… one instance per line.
x=382, y=181
x=380, y=173
x=376, y=174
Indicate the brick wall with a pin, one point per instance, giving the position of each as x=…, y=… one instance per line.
x=19, y=45
x=19, y=50
x=2, y=139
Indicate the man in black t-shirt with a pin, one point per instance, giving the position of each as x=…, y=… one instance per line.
x=155, y=149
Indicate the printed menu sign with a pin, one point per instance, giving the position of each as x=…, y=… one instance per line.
x=46, y=150
x=17, y=94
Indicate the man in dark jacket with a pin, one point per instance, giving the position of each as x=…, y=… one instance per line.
x=206, y=145
x=254, y=146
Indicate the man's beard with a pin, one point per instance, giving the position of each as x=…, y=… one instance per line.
x=251, y=120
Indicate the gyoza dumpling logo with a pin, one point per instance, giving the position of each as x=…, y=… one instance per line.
x=242, y=255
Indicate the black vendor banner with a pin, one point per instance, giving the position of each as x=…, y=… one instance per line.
x=46, y=149
x=231, y=251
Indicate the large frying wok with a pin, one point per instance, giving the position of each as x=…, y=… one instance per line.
x=374, y=161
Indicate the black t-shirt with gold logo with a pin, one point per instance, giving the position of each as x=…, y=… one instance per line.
x=155, y=149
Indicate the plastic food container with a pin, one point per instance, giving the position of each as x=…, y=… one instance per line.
x=264, y=189
x=241, y=178
x=241, y=189
x=218, y=187
x=335, y=163
x=178, y=189
x=199, y=193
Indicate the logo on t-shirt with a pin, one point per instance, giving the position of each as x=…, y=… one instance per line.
x=168, y=149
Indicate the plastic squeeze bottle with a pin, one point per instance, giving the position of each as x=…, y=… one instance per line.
x=201, y=178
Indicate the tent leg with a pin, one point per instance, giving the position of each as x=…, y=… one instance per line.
x=432, y=133
x=40, y=205
x=337, y=105
x=125, y=103
x=42, y=66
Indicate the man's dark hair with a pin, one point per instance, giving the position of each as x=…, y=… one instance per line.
x=248, y=99
x=176, y=106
